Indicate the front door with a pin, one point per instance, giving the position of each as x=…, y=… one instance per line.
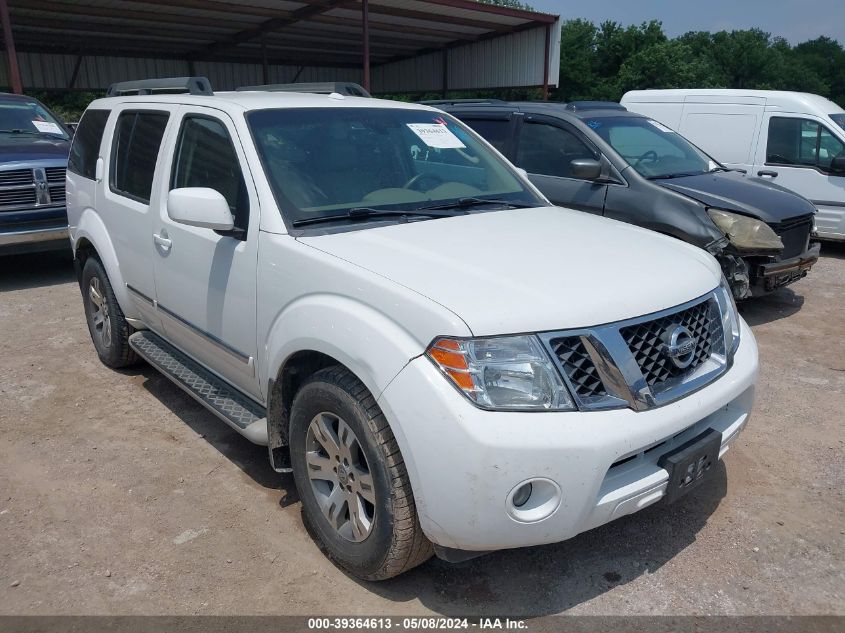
x=546, y=149
x=205, y=280
x=795, y=152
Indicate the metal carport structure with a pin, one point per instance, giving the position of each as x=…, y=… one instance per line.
x=386, y=45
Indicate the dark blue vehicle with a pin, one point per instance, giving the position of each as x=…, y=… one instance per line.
x=34, y=146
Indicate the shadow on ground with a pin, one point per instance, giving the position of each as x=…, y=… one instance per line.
x=35, y=270
x=781, y=304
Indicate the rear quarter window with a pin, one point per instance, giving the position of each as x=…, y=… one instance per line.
x=85, y=148
x=137, y=140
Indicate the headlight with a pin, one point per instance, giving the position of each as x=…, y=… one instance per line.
x=746, y=233
x=730, y=317
x=507, y=372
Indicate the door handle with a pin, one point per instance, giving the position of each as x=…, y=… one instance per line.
x=162, y=241
x=767, y=172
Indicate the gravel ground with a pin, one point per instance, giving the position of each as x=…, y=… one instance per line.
x=120, y=495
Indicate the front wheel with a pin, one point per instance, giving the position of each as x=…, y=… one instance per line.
x=355, y=492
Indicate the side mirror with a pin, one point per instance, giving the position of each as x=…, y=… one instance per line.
x=585, y=169
x=200, y=206
x=837, y=165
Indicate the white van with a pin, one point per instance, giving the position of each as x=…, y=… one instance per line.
x=793, y=137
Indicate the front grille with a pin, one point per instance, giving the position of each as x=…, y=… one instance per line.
x=17, y=197
x=646, y=341
x=16, y=177
x=55, y=174
x=57, y=193
x=578, y=366
x=795, y=235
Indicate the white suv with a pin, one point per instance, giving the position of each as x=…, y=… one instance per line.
x=444, y=360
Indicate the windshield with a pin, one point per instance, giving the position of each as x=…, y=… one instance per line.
x=651, y=148
x=30, y=118
x=839, y=119
x=336, y=162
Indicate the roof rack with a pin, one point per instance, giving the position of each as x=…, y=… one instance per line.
x=594, y=105
x=166, y=85
x=347, y=88
x=459, y=101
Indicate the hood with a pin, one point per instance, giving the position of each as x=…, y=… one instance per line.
x=531, y=270
x=24, y=148
x=734, y=191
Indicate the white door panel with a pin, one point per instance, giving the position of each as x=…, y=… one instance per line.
x=205, y=281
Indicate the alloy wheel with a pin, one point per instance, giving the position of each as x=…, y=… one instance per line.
x=100, y=311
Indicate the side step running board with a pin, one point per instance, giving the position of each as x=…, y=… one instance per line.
x=237, y=410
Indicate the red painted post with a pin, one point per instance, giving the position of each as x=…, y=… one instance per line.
x=365, y=21
x=11, y=55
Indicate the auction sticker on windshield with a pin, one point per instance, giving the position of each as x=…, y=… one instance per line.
x=47, y=126
x=436, y=135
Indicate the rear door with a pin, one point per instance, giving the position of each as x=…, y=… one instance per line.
x=795, y=151
x=136, y=134
x=205, y=279
x=545, y=148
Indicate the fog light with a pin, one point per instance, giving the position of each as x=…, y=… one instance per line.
x=522, y=494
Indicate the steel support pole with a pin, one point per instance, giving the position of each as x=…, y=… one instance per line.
x=546, y=62
x=365, y=34
x=11, y=55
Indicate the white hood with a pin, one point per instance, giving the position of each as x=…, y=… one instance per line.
x=531, y=270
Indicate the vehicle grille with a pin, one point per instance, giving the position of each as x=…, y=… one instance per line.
x=646, y=341
x=578, y=366
x=55, y=174
x=57, y=193
x=16, y=177
x=17, y=197
x=795, y=235
x=31, y=188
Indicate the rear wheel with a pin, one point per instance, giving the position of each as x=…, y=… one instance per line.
x=108, y=328
x=356, y=496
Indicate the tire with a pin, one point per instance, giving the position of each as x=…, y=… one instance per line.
x=387, y=539
x=108, y=328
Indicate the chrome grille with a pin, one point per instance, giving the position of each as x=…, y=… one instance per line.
x=647, y=341
x=57, y=193
x=578, y=366
x=16, y=177
x=635, y=363
x=55, y=174
x=32, y=187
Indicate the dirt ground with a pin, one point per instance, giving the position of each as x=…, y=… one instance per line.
x=120, y=495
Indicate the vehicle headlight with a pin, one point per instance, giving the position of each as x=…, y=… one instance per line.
x=746, y=233
x=504, y=373
x=730, y=317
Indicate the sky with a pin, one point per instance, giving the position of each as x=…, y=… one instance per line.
x=795, y=20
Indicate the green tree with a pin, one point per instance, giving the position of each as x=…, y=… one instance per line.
x=670, y=64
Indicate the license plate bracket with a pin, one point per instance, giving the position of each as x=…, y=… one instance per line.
x=691, y=464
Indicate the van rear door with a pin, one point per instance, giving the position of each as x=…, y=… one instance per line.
x=726, y=131
x=796, y=151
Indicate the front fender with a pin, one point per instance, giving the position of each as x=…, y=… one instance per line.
x=370, y=344
x=91, y=228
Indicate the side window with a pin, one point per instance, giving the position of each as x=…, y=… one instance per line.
x=801, y=142
x=137, y=139
x=549, y=150
x=495, y=131
x=205, y=157
x=85, y=148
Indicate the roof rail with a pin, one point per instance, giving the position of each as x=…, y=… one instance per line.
x=166, y=85
x=459, y=101
x=594, y=105
x=347, y=88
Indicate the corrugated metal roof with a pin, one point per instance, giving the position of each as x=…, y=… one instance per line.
x=485, y=45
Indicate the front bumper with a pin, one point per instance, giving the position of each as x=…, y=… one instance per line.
x=465, y=463
x=773, y=275
x=33, y=239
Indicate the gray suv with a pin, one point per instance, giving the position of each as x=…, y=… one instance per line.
x=600, y=158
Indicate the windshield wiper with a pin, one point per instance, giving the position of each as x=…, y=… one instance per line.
x=670, y=176
x=369, y=212
x=464, y=203
x=31, y=133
